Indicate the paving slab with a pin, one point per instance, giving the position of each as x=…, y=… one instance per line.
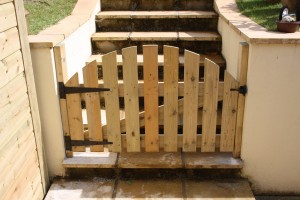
x=149, y=189
x=218, y=190
x=94, y=189
x=150, y=160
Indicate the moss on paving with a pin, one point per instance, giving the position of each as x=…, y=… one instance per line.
x=44, y=13
x=261, y=12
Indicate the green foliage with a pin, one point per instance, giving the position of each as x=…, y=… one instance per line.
x=44, y=13
x=260, y=11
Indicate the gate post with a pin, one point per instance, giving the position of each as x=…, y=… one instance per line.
x=242, y=78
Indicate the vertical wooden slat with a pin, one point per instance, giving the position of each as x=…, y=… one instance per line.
x=210, y=106
x=74, y=113
x=243, y=66
x=110, y=78
x=190, y=104
x=150, y=55
x=131, y=99
x=171, y=63
x=62, y=76
x=92, y=102
x=228, y=114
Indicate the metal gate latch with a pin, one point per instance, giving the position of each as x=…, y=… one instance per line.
x=242, y=89
x=71, y=143
x=63, y=90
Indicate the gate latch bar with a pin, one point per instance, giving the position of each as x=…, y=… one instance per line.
x=71, y=143
x=242, y=89
x=63, y=90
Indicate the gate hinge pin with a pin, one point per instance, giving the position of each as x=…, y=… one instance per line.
x=242, y=89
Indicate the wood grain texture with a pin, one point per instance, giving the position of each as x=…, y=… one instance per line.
x=62, y=76
x=74, y=113
x=243, y=65
x=10, y=67
x=9, y=42
x=92, y=102
x=210, y=106
x=5, y=1
x=190, y=106
x=150, y=54
x=110, y=77
x=131, y=98
x=229, y=113
x=22, y=27
x=170, y=110
x=7, y=16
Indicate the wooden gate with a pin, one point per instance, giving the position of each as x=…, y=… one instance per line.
x=150, y=108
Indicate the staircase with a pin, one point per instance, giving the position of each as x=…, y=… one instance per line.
x=187, y=24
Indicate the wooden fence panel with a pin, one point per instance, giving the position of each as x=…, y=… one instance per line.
x=150, y=55
x=74, y=113
x=210, y=106
x=171, y=64
x=7, y=16
x=228, y=114
x=92, y=102
x=131, y=99
x=190, y=106
x=110, y=78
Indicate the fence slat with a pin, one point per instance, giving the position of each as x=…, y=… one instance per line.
x=150, y=55
x=131, y=99
x=110, y=77
x=228, y=114
x=74, y=113
x=92, y=102
x=210, y=106
x=190, y=106
x=171, y=64
x=243, y=65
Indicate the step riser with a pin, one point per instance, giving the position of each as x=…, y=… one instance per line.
x=107, y=5
x=203, y=47
x=105, y=25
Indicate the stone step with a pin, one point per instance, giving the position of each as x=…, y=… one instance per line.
x=107, y=5
x=176, y=187
x=161, y=160
x=218, y=59
x=156, y=21
x=199, y=42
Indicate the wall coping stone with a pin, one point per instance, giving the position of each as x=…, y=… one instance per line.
x=248, y=29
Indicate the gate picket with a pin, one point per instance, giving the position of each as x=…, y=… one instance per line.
x=75, y=113
x=92, y=102
x=171, y=64
x=229, y=112
x=131, y=99
x=210, y=106
x=110, y=78
x=150, y=55
x=190, y=104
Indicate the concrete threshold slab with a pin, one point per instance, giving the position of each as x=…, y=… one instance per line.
x=142, y=188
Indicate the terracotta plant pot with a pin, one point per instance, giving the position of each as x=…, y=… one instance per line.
x=287, y=27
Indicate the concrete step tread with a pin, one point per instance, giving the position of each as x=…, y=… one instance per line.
x=157, y=36
x=155, y=14
x=146, y=188
x=218, y=59
x=145, y=160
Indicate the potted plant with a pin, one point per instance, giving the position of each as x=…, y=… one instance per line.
x=289, y=23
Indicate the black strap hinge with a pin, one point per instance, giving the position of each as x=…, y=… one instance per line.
x=63, y=90
x=76, y=143
x=242, y=89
